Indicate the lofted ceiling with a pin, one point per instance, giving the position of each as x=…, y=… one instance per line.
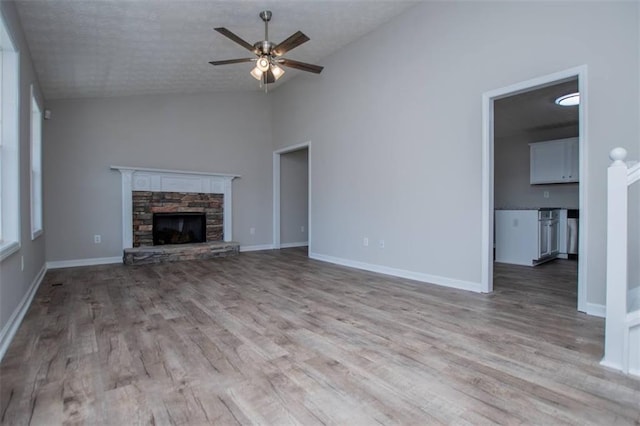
x=88, y=48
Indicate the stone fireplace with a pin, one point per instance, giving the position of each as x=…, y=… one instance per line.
x=175, y=209
x=190, y=212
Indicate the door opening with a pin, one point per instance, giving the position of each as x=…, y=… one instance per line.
x=498, y=129
x=292, y=196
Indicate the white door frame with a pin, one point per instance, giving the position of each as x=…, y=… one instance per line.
x=276, y=190
x=488, y=170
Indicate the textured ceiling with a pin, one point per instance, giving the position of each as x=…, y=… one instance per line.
x=115, y=48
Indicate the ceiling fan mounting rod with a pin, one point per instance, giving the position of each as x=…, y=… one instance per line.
x=265, y=15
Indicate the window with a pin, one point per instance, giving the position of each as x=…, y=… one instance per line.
x=36, y=167
x=9, y=146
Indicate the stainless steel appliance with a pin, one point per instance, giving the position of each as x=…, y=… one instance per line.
x=548, y=233
x=572, y=233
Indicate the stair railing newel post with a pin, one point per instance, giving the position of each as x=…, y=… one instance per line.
x=617, y=235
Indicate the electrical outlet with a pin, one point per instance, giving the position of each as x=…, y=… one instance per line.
x=545, y=194
x=381, y=243
x=97, y=239
x=302, y=229
x=252, y=231
x=365, y=241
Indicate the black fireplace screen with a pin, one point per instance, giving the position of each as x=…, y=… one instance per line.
x=179, y=228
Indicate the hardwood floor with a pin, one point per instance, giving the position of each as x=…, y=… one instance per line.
x=275, y=338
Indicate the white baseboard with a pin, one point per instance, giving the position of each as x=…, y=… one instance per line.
x=608, y=364
x=256, y=248
x=11, y=327
x=291, y=245
x=596, y=310
x=402, y=273
x=57, y=264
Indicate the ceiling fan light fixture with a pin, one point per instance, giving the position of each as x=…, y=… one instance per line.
x=572, y=99
x=256, y=73
x=262, y=63
x=268, y=56
x=277, y=71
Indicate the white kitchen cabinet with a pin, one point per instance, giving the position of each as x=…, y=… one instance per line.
x=554, y=161
x=526, y=237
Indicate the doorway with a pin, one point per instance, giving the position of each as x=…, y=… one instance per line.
x=489, y=163
x=292, y=196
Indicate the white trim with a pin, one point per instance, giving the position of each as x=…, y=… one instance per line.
x=276, y=200
x=291, y=245
x=633, y=174
x=162, y=180
x=487, y=174
x=583, y=193
x=11, y=327
x=256, y=248
x=127, y=208
x=633, y=299
x=401, y=273
x=8, y=248
x=611, y=365
x=168, y=171
x=487, y=231
x=276, y=191
x=596, y=309
x=35, y=165
x=36, y=234
x=57, y=264
x=10, y=203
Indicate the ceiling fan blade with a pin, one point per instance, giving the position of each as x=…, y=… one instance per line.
x=292, y=42
x=225, y=32
x=301, y=65
x=232, y=61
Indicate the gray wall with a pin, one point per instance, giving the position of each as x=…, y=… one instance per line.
x=294, y=196
x=511, y=173
x=220, y=133
x=397, y=146
x=14, y=282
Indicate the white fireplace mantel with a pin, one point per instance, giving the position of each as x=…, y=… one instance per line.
x=160, y=180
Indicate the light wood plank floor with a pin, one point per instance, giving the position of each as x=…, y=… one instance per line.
x=275, y=338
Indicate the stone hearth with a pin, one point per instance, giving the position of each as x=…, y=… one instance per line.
x=174, y=252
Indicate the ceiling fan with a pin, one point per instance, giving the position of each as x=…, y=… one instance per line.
x=269, y=55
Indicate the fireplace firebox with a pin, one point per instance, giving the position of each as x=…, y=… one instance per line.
x=179, y=228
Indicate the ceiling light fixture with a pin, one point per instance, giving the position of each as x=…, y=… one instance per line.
x=262, y=64
x=277, y=71
x=256, y=73
x=269, y=61
x=572, y=99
